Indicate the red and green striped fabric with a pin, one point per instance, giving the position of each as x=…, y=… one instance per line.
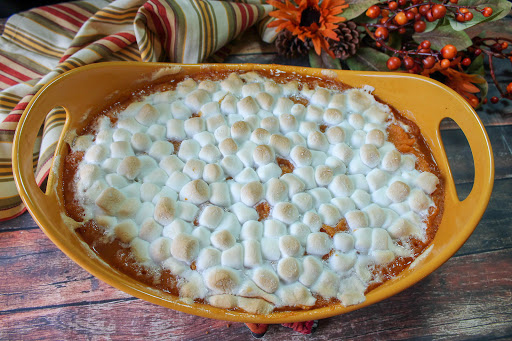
x=40, y=44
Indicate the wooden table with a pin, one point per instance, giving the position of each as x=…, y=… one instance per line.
x=44, y=295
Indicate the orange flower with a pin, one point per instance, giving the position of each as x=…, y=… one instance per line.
x=462, y=83
x=309, y=20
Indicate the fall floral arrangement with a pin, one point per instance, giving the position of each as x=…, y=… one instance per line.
x=443, y=39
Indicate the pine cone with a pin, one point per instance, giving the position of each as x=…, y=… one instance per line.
x=290, y=46
x=348, y=40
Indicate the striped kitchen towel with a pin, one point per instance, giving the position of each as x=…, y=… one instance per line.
x=40, y=44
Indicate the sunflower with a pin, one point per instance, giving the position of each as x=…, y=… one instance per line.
x=309, y=20
x=462, y=83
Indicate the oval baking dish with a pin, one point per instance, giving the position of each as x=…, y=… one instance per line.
x=424, y=101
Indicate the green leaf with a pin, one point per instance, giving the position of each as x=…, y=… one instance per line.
x=484, y=89
x=324, y=61
x=492, y=28
x=444, y=35
x=356, y=8
x=477, y=66
x=500, y=9
x=395, y=40
x=368, y=59
x=431, y=25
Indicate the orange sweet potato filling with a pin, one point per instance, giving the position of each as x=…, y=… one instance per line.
x=118, y=255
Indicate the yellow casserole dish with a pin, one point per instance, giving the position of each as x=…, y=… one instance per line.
x=420, y=99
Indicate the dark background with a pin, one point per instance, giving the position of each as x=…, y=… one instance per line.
x=10, y=7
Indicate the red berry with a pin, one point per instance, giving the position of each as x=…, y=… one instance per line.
x=425, y=44
x=410, y=15
x=393, y=63
x=460, y=17
x=424, y=9
x=424, y=50
x=373, y=12
x=478, y=52
x=409, y=63
x=445, y=63
x=429, y=16
x=487, y=12
x=385, y=13
x=429, y=62
x=378, y=44
x=393, y=5
x=473, y=100
x=417, y=16
x=494, y=100
x=466, y=62
x=381, y=33
x=454, y=1
x=449, y=51
x=384, y=20
x=504, y=45
x=438, y=11
x=496, y=47
x=509, y=88
x=414, y=10
x=484, y=101
x=468, y=16
x=420, y=26
x=401, y=30
x=463, y=10
x=401, y=18
x=402, y=2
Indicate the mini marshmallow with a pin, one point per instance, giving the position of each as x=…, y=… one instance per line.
x=288, y=123
x=283, y=106
x=207, y=258
x=252, y=193
x=148, y=191
x=150, y=230
x=363, y=239
x=271, y=124
x=333, y=116
x=220, y=194
x=165, y=211
x=240, y=131
x=193, y=126
x=342, y=262
x=96, y=154
x=265, y=101
x=376, y=215
x=110, y=200
x=213, y=173
x=296, y=139
x=160, y=249
x=230, y=223
x=307, y=127
x=323, y=175
x=103, y=137
x=126, y=231
x=281, y=144
x=376, y=137
x=189, y=149
x=391, y=160
x=228, y=104
x=398, y=191
x=303, y=201
x=288, y=269
x=252, y=253
x=356, y=219
x=294, y=184
x=209, y=153
x=376, y=179
x=140, y=142
x=213, y=122
x=204, y=138
x=186, y=210
x=251, y=89
x=208, y=85
x=270, y=249
x=361, y=198
x=146, y=210
x=196, y=99
x=171, y=164
x=274, y=228
x=312, y=268
x=427, y=182
x=88, y=173
x=418, y=201
x=267, y=172
x=358, y=100
x=299, y=111
x=82, y=143
x=175, y=130
x=343, y=152
x=317, y=141
x=247, y=106
x=221, y=280
x=375, y=115
x=233, y=83
x=358, y=139
x=131, y=125
x=402, y=228
x=313, y=220
x=300, y=231
x=157, y=176
x=196, y=192
x=335, y=135
x=194, y=169
x=210, y=109
x=301, y=156
x=344, y=205
x=186, y=86
x=139, y=249
x=285, y=212
x=314, y=114
x=132, y=190
x=318, y=158
x=266, y=279
x=341, y=186
x=330, y=214
x=228, y=146
x=260, y=136
x=318, y=243
x=113, y=180
x=262, y=155
x=343, y=242
x=289, y=246
x=276, y=191
x=121, y=135
x=369, y=155
x=246, y=176
x=380, y=197
x=147, y=115
x=161, y=149
x=408, y=163
x=222, y=239
x=177, y=180
x=320, y=195
x=380, y=239
x=251, y=229
x=233, y=257
x=337, y=166
x=244, y=213
x=356, y=121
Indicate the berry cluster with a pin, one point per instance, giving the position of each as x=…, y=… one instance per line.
x=407, y=17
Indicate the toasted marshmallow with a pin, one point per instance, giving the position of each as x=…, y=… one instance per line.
x=335, y=135
x=196, y=192
x=427, y=182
